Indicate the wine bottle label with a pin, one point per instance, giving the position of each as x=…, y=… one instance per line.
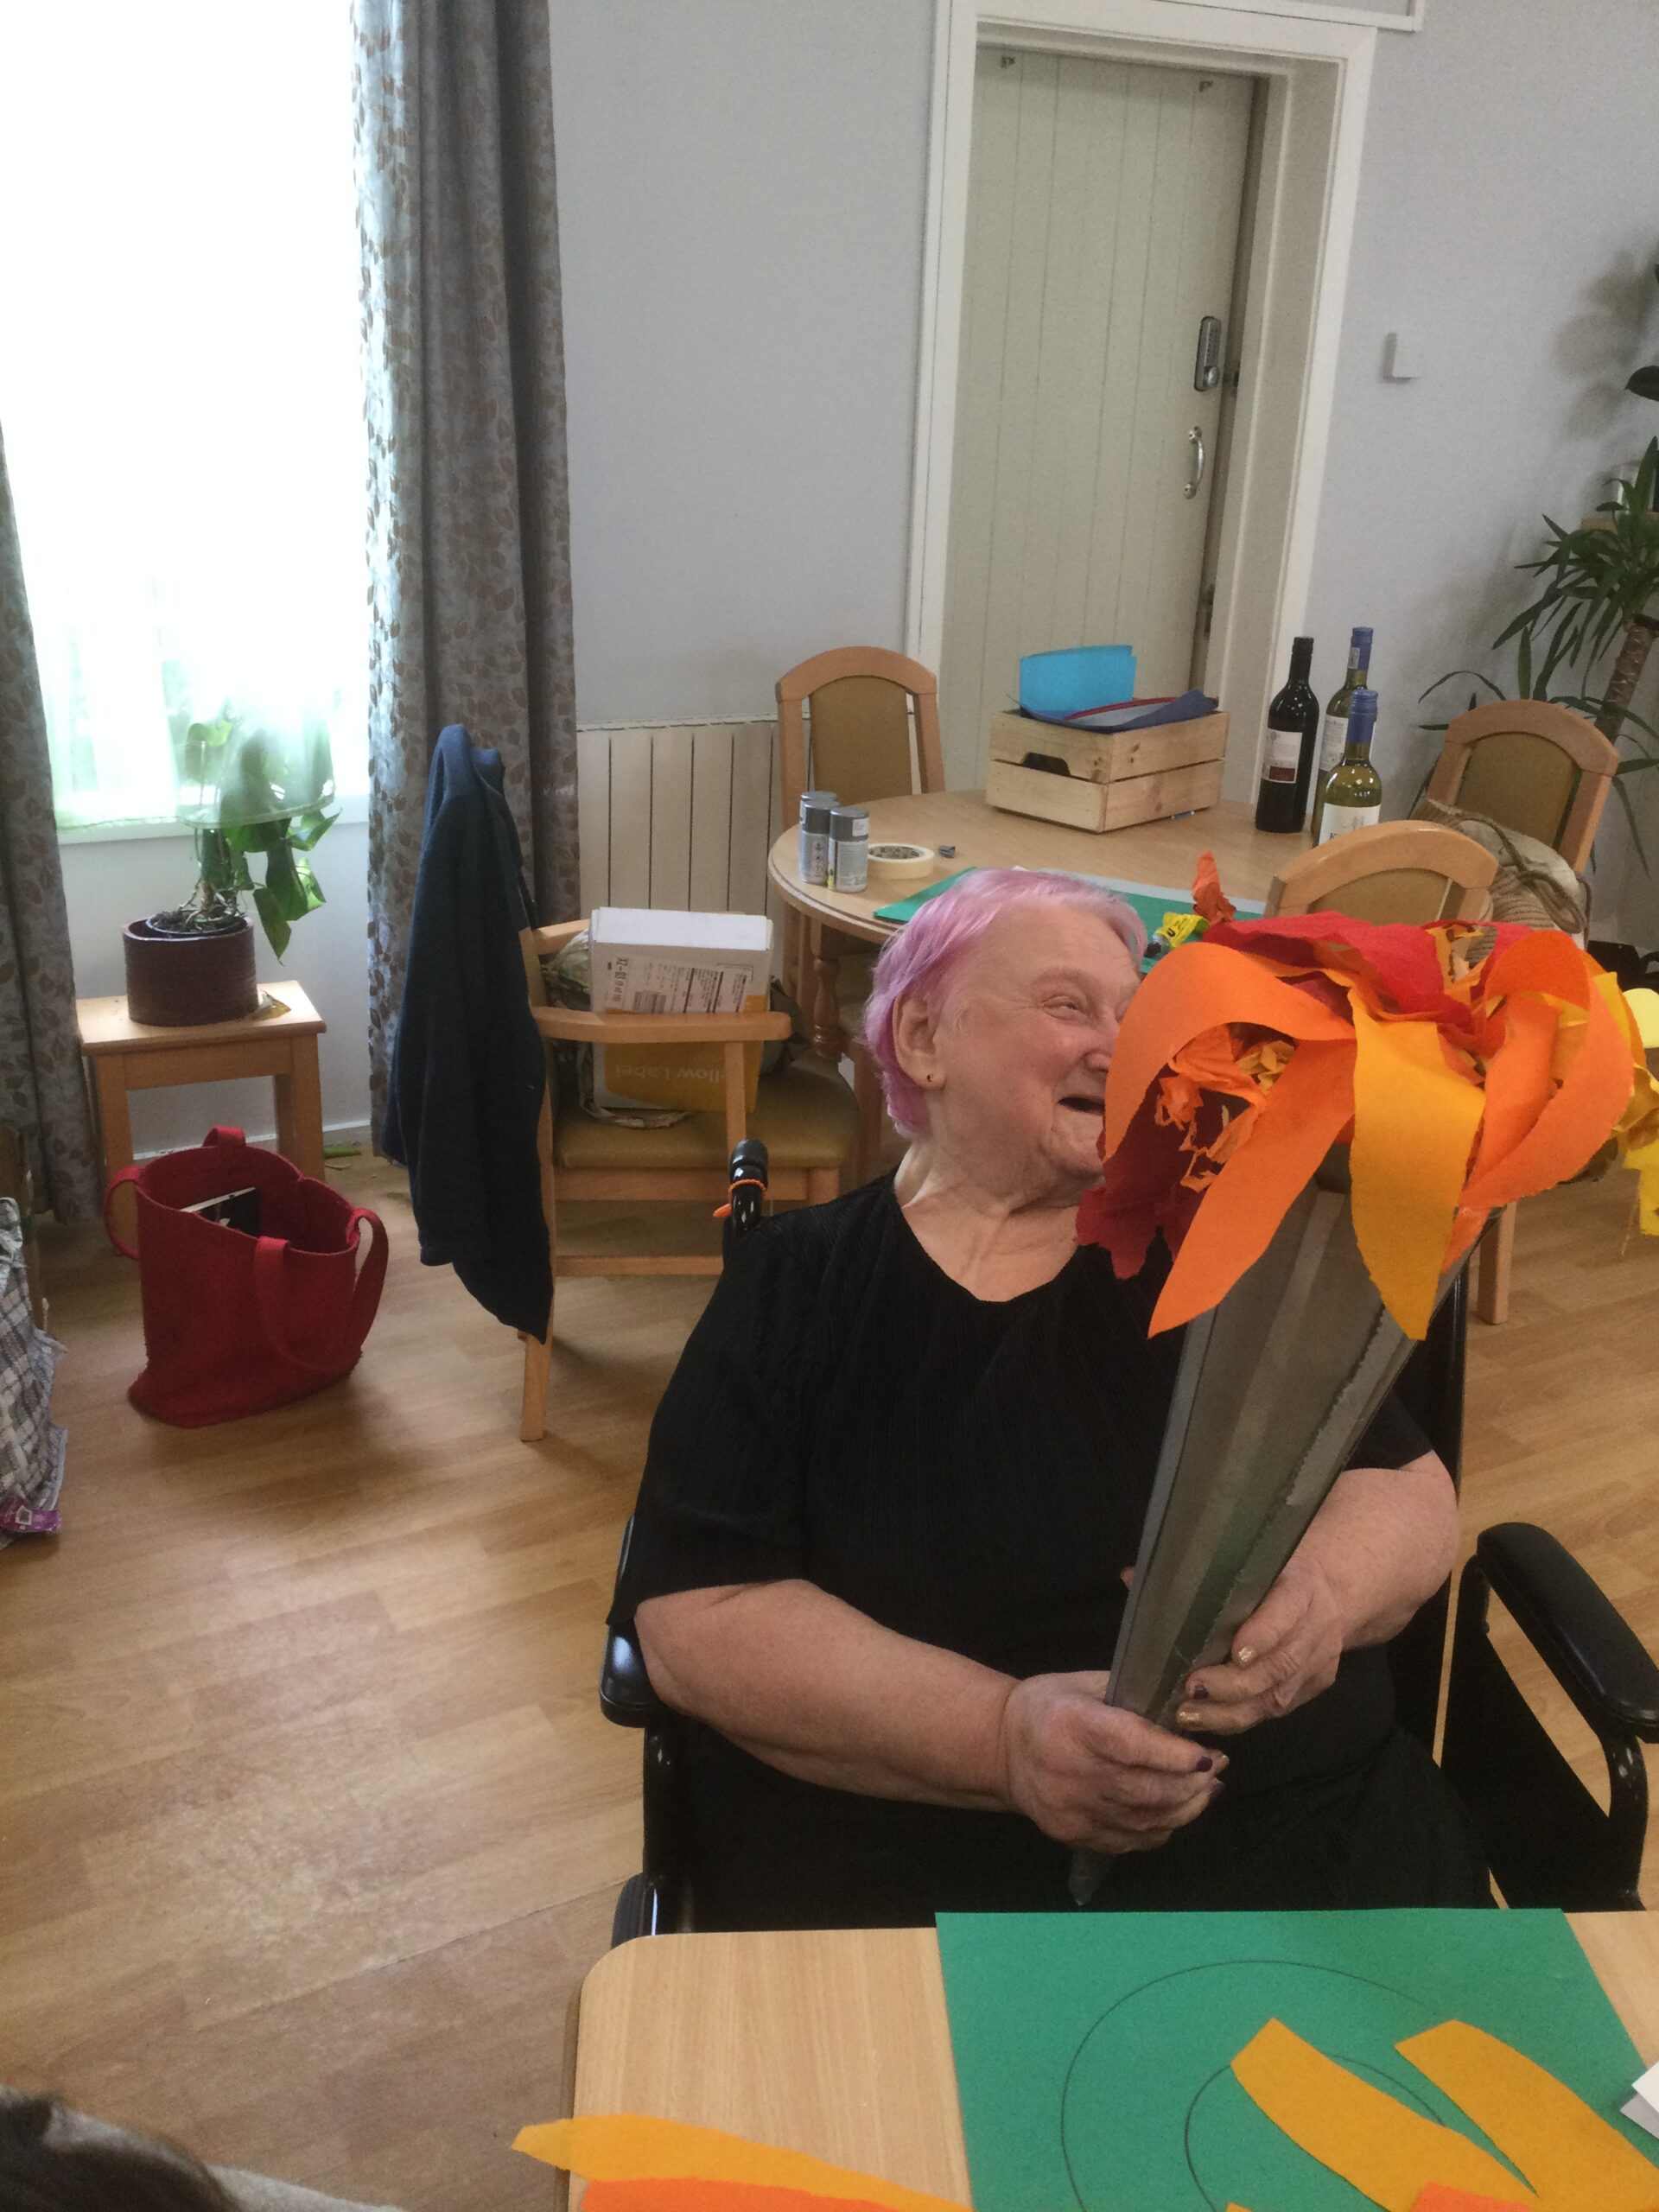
x=1339, y=820
x=1333, y=740
x=1284, y=751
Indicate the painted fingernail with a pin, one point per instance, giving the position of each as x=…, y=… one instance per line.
x=1216, y=1789
x=1188, y=1718
x=1200, y=1690
x=1244, y=1657
x=1204, y=1764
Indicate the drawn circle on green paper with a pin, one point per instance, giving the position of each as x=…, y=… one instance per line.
x=1151, y=2114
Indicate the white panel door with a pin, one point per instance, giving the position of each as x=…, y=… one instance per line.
x=1103, y=216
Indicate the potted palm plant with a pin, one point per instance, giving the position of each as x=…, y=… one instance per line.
x=1584, y=641
x=251, y=798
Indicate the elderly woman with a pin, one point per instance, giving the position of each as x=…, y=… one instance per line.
x=897, y=1482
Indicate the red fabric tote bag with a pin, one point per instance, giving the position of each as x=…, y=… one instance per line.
x=234, y=1323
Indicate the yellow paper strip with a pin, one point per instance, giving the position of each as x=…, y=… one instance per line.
x=630, y=2146
x=1414, y=1123
x=1571, y=2156
x=1381, y=2147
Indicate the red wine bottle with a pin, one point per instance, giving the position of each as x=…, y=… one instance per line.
x=1287, y=751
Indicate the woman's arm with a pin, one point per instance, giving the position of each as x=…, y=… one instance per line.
x=1382, y=1543
x=819, y=1690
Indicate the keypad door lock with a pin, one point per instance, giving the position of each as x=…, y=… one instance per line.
x=1206, y=369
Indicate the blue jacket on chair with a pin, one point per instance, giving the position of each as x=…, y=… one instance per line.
x=467, y=1067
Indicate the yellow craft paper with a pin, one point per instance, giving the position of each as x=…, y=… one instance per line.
x=630, y=2146
x=1438, y=2198
x=1383, y=2148
x=1573, y=2158
x=1415, y=1118
x=1644, y=1006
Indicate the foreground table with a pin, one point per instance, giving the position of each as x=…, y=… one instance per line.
x=1162, y=853
x=838, y=2043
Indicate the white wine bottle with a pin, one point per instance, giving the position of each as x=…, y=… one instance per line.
x=1334, y=736
x=1353, y=798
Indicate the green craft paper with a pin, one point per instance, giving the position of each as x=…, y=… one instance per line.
x=1151, y=905
x=1093, y=2051
x=903, y=910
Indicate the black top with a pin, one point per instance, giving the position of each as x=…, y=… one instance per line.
x=467, y=1067
x=971, y=1474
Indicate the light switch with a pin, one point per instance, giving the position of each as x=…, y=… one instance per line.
x=1401, y=359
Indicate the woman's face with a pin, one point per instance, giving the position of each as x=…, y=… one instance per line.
x=1014, y=1063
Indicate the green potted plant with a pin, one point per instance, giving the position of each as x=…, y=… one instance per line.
x=250, y=797
x=1584, y=641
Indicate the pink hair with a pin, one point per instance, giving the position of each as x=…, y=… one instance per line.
x=919, y=960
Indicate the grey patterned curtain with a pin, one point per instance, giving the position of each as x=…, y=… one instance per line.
x=42, y=1088
x=468, y=505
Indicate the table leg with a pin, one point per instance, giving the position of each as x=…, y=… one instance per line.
x=299, y=1109
x=827, y=1039
x=114, y=1124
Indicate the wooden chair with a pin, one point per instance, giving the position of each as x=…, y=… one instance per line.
x=805, y=1115
x=1535, y=767
x=1545, y=771
x=1391, y=872
x=873, y=720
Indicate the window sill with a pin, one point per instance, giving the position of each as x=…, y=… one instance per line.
x=352, y=808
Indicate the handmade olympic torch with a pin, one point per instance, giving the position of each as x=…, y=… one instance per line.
x=1318, y=1115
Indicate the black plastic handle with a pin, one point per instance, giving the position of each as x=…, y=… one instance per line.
x=1587, y=1644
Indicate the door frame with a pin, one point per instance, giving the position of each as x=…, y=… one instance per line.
x=1318, y=75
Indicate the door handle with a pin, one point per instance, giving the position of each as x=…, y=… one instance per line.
x=1195, y=439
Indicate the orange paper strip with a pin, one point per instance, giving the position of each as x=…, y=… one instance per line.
x=1594, y=1093
x=1306, y=1111
x=1438, y=2198
x=1189, y=992
x=632, y=2147
x=1414, y=1124
x=1571, y=2156
x=660, y=2195
x=1383, y=2148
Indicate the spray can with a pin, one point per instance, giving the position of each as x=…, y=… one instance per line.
x=849, y=847
x=817, y=807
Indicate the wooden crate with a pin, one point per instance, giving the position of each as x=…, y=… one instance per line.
x=1111, y=777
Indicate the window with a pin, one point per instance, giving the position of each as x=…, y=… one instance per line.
x=180, y=381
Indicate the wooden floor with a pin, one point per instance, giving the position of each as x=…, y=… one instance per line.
x=308, y=1820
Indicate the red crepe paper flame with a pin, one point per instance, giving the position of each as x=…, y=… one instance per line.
x=1208, y=897
x=1465, y=1065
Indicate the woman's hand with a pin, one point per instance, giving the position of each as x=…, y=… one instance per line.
x=1384, y=1541
x=1092, y=1777
x=1285, y=1654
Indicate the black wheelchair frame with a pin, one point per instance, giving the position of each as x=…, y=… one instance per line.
x=1547, y=1840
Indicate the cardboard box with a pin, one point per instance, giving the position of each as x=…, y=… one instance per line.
x=647, y=959
x=1105, y=780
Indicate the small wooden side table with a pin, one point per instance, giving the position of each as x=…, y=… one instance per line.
x=280, y=1042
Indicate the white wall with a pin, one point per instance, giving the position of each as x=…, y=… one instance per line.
x=741, y=194
x=741, y=186
x=109, y=883
x=1508, y=219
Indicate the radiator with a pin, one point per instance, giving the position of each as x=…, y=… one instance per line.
x=680, y=816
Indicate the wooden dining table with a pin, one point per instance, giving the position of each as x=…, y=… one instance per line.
x=1159, y=854
x=837, y=2042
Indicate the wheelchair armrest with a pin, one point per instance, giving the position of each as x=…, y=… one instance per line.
x=625, y=1695
x=1586, y=1643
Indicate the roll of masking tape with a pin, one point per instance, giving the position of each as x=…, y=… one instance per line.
x=900, y=863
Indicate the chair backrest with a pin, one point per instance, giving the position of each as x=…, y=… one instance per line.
x=1537, y=768
x=860, y=699
x=1391, y=872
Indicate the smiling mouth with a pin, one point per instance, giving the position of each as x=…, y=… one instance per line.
x=1081, y=1105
